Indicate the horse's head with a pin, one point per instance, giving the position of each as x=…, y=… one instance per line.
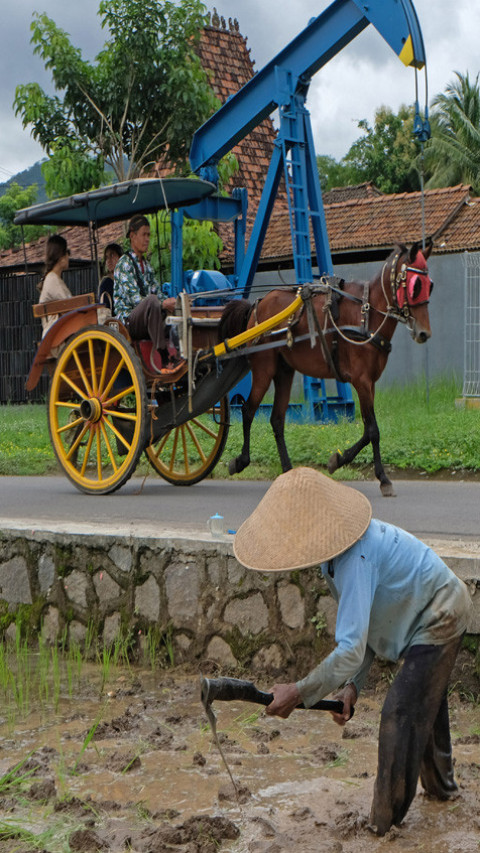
x=411, y=289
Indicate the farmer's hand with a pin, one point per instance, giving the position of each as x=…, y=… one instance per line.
x=349, y=697
x=286, y=700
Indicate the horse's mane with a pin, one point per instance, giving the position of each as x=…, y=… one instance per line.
x=234, y=318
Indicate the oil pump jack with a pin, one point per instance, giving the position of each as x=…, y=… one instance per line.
x=283, y=85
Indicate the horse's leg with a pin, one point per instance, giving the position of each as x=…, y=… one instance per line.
x=260, y=382
x=283, y=385
x=371, y=434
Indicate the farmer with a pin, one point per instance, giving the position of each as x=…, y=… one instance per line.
x=396, y=598
x=138, y=298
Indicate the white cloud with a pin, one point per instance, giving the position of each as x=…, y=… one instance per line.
x=365, y=75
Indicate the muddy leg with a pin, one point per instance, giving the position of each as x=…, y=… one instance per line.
x=409, y=716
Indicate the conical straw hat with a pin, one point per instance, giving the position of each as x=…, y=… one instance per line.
x=304, y=519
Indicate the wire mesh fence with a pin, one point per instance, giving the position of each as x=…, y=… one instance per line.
x=471, y=373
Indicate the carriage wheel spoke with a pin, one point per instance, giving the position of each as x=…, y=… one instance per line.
x=161, y=445
x=205, y=428
x=114, y=377
x=82, y=373
x=121, y=394
x=106, y=357
x=174, y=451
x=125, y=415
x=73, y=386
x=196, y=442
x=118, y=434
x=185, y=450
x=93, y=369
x=70, y=425
x=77, y=441
x=98, y=436
x=108, y=446
x=87, y=452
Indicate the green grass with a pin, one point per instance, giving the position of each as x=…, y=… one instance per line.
x=416, y=433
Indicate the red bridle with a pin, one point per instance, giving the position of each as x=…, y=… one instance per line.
x=415, y=284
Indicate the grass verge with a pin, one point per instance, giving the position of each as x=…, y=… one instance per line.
x=419, y=431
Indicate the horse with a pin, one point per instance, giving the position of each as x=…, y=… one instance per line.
x=343, y=331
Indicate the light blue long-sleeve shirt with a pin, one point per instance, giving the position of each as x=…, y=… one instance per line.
x=393, y=592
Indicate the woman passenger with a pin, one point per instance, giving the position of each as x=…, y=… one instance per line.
x=52, y=286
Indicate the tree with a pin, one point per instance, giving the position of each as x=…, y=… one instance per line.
x=387, y=153
x=453, y=153
x=143, y=97
x=15, y=198
x=201, y=245
x=335, y=173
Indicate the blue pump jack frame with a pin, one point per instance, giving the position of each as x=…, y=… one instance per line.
x=283, y=84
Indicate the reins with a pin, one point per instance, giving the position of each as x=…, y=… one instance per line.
x=392, y=312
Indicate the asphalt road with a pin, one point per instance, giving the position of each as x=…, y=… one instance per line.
x=441, y=509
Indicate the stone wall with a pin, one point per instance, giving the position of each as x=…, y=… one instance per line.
x=189, y=590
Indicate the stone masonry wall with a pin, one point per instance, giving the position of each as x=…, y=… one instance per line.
x=191, y=590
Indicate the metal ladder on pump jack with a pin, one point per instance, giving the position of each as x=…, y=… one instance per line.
x=319, y=404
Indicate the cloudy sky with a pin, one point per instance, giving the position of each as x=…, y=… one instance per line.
x=365, y=75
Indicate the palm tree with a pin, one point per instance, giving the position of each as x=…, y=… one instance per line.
x=452, y=155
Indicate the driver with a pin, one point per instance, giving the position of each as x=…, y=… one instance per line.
x=139, y=301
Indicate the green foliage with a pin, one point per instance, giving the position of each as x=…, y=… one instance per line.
x=386, y=155
x=144, y=95
x=453, y=153
x=201, y=245
x=71, y=170
x=335, y=173
x=387, y=152
x=13, y=199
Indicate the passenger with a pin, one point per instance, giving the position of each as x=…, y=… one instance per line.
x=139, y=301
x=52, y=286
x=111, y=255
x=396, y=598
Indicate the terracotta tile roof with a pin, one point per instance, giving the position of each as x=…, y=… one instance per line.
x=338, y=194
x=378, y=221
x=463, y=232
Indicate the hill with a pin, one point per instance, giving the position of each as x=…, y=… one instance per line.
x=30, y=176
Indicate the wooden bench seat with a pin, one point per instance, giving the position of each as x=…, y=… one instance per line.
x=62, y=306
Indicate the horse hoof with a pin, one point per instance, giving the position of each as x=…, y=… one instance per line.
x=387, y=490
x=333, y=463
x=232, y=466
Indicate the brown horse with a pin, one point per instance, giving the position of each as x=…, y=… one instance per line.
x=346, y=336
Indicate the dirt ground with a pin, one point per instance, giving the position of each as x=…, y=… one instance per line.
x=137, y=770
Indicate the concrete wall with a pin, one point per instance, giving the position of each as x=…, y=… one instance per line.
x=189, y=589
x=444, y=352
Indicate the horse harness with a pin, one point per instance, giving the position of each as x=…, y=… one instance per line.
x=332, y=288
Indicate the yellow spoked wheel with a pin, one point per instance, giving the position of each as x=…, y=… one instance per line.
x=97, y=410
x=188, y=453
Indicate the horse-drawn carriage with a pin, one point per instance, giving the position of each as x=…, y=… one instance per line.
x=105, y=406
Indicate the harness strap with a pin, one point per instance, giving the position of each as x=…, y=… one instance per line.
x=357, y=333
x=314, y=325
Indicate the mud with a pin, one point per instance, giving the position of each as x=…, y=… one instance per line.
x=137, y=770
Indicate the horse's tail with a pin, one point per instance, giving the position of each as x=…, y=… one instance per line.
x=234, y=318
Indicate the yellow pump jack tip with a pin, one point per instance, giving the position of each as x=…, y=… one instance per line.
x=407, y=55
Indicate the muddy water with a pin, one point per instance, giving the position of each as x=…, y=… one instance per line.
x=136, y=769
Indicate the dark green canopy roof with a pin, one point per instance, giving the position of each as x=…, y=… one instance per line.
x=118, y=201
